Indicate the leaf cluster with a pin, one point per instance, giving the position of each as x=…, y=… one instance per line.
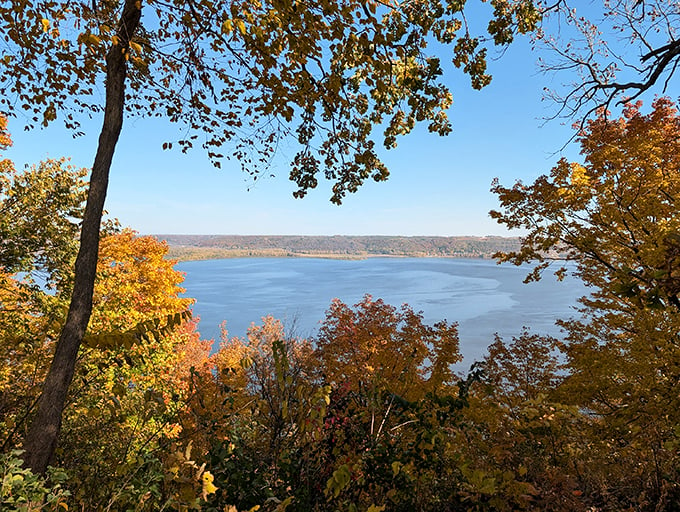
x=23, y=491
x=248, y=73
x=40, y=208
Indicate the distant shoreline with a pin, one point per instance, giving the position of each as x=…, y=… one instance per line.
x=210, y=247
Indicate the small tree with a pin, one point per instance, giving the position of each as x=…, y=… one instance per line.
x=375, y=348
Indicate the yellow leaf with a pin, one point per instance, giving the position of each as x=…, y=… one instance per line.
x=45, y=24
x=241, y=27
x=281, y=506
x=396, y=467
x=208, y=486
x=227, y=26
x=579, y=175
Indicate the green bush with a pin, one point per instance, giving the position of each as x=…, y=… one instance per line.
x=23, y=491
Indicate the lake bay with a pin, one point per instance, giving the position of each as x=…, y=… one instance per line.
x=483, y=297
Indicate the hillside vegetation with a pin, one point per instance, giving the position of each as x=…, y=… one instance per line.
x=112, y=401
x=368, y=415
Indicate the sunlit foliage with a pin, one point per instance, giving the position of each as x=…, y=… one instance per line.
x=245, y=74
x=616, y=216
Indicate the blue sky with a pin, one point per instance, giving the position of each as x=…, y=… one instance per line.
x=438, y=185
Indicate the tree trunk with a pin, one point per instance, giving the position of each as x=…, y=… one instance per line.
x=42, y=436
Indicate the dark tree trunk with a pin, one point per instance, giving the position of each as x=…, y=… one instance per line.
x=42, y=436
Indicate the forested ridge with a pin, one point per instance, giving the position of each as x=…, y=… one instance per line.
x=186, y=247
x=110, y=399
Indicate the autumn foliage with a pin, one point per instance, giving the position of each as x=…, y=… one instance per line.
x=615, y=215
x=376, y=346
x=368, y=415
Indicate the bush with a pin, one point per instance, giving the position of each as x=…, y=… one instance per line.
x=23, y=491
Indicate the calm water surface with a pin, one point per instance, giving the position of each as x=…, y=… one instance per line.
x=483, y=297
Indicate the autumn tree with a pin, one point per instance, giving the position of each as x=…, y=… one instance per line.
x=381, y=348
x=360, y=421
x=133, y=377
x=135, y=282
x=132, y=384
x=133, y=380
x=615, y=216
x=245, y=73
x=393, y=391
x=272, y=410
x=39, y=211
x=522, y=440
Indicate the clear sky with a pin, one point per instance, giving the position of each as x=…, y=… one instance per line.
x=438, y=185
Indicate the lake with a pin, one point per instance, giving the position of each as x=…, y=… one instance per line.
x=483, y=297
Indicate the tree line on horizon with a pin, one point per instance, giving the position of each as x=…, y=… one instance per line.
x=187, y=247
